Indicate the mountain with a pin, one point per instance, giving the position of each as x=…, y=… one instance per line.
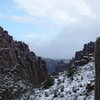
x=18, y=66
x=62, y=66
x=76, y=83
x=56, y=65
x=23, y=75
x=51, y=65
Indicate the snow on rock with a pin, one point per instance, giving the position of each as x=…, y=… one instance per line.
x=80, y=86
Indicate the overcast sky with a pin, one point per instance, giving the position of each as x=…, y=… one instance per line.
x=52, y=28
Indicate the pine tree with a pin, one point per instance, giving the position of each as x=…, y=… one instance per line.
x=97, y=69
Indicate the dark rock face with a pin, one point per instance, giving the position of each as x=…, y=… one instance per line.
x=84, y=56
x=17, y=56
x=6, y=95
x=88, y=49
x=78, y=55
x=13, y=53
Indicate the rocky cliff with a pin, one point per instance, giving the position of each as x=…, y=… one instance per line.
x=81, y=58
x=84, y=56
x=17, y=62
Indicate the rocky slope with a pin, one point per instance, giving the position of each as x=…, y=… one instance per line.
x=79, y=86
x=18, y=65
x=76, y=83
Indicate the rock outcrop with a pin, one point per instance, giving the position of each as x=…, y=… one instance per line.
x=16, y=59
x=88, y=49
x=84, y=56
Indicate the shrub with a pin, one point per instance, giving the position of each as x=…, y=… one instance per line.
x=46, y=94
x=48, y=82
x=70, y=71
x=55, y=94
x=62, y=96
x=62, y=88
x=89, y=87
x=58, y=82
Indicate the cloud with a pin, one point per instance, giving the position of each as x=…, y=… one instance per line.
x=34, y=35
x=61, y=12
x=70, y=39
x=2, y=15
x=26, y=19
x=83, y=8
x=23, y=19
x=76, y=22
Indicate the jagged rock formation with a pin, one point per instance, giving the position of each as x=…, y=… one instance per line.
x=84, y=56
x=81, y=58
x=16, y=60
x=88, y=49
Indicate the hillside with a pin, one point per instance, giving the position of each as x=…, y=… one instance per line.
x=78, y=86
x=76, y=83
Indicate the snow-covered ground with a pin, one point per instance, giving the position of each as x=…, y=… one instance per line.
x=80, y=86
